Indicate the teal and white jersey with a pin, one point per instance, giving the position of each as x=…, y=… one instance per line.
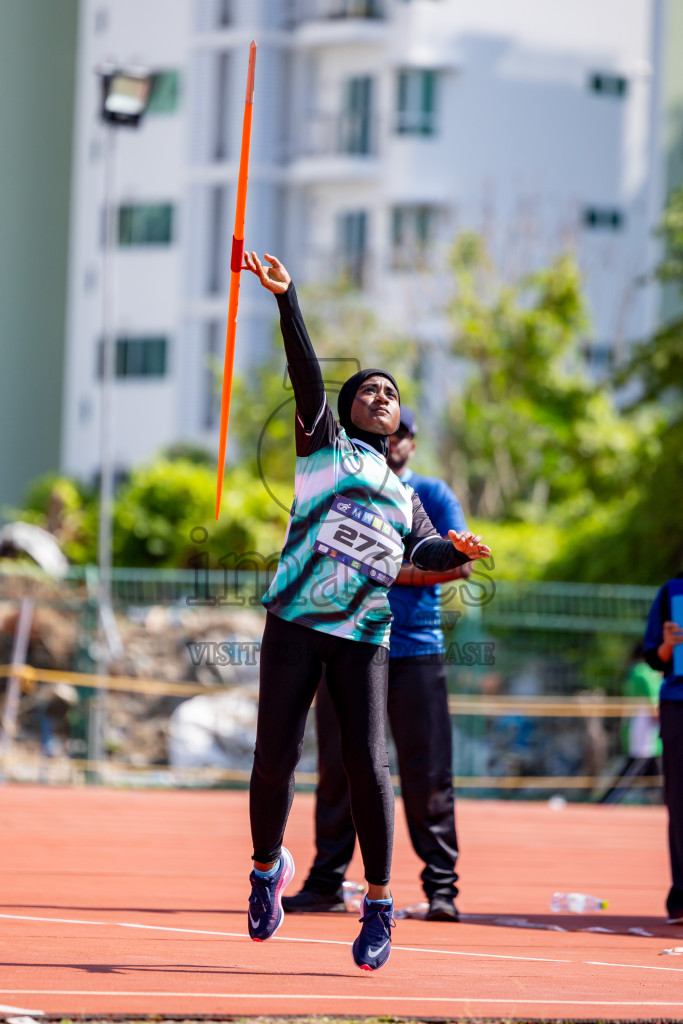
x=352, y=520
x=344, y=597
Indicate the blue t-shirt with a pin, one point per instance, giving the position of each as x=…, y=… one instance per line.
x=416, y=626
x=660, y=612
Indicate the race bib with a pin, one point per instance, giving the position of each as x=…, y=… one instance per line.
x=356, y=536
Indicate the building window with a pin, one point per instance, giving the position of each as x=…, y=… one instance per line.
x=416, y=102
x=608, y=85
x=136, y=357
x=221, y=123
x=603, y=218
x=224, y=13
x=413, y=228
x=352, y=232
x=211, y=411
x=598, y=358
x=101, y=20
x=356, y=120
x=90, y=280
x=145, y=224
x=355, y=9
x=218, y=261
x=165, y=94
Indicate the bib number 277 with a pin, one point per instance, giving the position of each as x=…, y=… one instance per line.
x=347, y=536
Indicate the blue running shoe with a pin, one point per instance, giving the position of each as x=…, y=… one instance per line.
x=265, y=903
x=372, y=948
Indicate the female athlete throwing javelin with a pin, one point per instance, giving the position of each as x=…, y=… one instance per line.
x=351, y=525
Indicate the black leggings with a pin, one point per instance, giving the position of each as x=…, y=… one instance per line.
x=292, y=657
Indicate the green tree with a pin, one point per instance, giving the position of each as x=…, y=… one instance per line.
x=346, y=336
x=529, y=434
x=642, y=542
x=157, y=510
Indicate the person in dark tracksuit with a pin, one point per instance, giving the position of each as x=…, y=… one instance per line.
x=419, y=718
x=662, y=635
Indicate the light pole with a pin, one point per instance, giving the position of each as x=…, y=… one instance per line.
x=124, y=98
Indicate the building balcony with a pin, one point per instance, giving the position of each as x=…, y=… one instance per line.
x=335, y=10
x=320, y=24
x=343, y=134
x=335, y=147
x=355, y=270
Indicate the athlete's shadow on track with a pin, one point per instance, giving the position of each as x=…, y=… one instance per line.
x=642, y=927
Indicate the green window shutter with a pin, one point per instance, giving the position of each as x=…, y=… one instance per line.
x=165, y=95
x=149, y=224
x=428, y=104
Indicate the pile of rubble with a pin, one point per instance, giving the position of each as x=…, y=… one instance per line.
x=208, y=647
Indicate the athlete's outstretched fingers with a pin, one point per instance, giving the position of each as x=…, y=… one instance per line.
x=252, y=262
x=468, y=544
x=259, y=269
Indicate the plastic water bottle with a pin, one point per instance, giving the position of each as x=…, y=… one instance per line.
x=576, y=903
x=353, y=894
x=414, y=910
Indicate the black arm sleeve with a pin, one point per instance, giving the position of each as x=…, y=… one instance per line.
x=655, y=662
x=425, y=547
x=302, y=362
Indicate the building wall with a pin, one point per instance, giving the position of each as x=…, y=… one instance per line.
x=37, y=85
x=672, y=141
x=523, y=148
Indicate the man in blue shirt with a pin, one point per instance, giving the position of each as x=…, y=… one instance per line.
x=419, y=718
x=663, y=635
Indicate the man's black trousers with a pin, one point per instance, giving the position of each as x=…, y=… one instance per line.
x=671, y=729
x=421, y=728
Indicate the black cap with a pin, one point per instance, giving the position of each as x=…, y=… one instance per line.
x=407, y=420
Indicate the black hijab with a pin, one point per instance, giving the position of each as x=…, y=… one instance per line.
x=380, y=442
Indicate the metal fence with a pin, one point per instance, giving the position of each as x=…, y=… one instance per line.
x=536, y=670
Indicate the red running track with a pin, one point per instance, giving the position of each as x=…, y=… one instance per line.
x=120, y=902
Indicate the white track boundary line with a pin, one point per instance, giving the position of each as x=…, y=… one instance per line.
x=386, y=998
x=20, y=1010
x=337, y=942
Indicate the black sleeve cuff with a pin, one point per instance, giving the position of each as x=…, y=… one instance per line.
x=438, y=555
x=655, y=662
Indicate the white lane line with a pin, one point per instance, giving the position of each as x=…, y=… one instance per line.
x=19, y=1009
x=283, y=938
x=643, y=967
x=386, y=998
x=458, y=952
x=337, y=942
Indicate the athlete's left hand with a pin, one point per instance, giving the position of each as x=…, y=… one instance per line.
x=469, y=545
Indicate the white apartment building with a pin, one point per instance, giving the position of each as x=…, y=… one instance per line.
x=381, y=128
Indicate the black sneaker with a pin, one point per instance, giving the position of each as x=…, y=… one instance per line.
x=442, y=908
x=372, y=948
x=265, y=902
x=310, y=902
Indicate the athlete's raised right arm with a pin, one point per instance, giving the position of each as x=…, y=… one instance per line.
x=304, y=370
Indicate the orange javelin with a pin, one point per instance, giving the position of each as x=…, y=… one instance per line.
x=235, y=267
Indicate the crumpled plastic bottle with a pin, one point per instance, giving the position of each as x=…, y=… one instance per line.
x=576, y=903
